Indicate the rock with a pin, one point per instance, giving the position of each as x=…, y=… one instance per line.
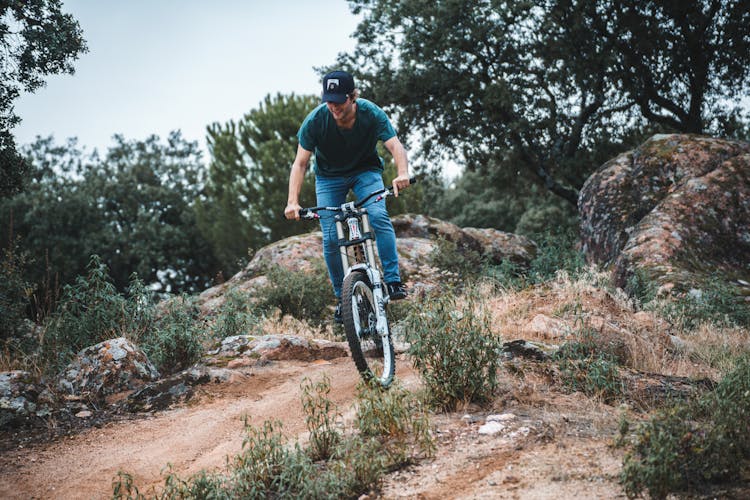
x=178, y=388
x=676, y=210
x=20, y=398
x=252, y=350
x=544, y=326
x=536, y=351
x=491, y=428
x=106, y=368
x=497, y=246
x=296, y=253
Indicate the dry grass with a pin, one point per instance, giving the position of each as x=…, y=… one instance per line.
x=274, y=323
x=559, y=310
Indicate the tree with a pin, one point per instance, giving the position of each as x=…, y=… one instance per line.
x=248, y=178
x=550, y=85
x=36, y=40
x=488, y=79
x=680, y=62
x=133, y=208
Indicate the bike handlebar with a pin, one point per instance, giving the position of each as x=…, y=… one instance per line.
x=312, y=212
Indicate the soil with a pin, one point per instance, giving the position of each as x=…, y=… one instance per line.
x=555, y=446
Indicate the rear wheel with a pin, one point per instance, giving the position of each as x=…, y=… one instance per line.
x=372, y=354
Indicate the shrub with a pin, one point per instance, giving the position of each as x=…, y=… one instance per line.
x=306, y=296
x=90, y=311
x=556, y=251
x=267, y=467
x=461, y=263
x=395, y=417
x=15, y=292
x=716, y=302
x=176, y=339
x=454, y=350
x=589, y=366
x=695, y=443
x=237, y=316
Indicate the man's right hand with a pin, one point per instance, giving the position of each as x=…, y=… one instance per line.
x=292, y=211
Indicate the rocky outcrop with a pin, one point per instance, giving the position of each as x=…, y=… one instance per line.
x=497, y=246
x=416, y=239
x=106, y=368
x=676, y=209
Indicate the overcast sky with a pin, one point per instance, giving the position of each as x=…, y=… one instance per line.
x=159, y=65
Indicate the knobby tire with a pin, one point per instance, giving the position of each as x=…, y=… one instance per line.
x=358, y=309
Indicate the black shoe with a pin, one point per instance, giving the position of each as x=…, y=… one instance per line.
x=337, y=318
x=396, y=290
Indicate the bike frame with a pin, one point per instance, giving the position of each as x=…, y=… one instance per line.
x=348, y=222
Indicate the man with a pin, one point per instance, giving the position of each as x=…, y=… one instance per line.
x=343, y=133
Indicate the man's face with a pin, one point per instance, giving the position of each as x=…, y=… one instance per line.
x=341, y=111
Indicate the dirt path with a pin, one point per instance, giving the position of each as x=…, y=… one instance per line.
x=198, y=436
x=560, y=455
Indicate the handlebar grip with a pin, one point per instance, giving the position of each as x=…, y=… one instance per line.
x=302, y=213
x=413, y=180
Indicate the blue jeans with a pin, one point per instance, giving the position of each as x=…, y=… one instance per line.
x=331, y=192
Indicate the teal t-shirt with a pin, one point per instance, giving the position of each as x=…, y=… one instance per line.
x=341, y=152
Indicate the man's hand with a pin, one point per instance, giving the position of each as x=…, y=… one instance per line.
x=399, y=183
x=292, y=211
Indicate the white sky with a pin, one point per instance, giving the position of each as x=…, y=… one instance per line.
x=159, y=65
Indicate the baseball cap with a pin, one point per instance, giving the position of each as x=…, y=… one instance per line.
x=336, y=86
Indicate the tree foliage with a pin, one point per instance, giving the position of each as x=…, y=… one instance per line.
x=133, y=208
x=37, y=39
x=681, y=63
x=248, y=178
x=548, y=85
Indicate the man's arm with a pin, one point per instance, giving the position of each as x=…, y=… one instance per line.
x=402, y=164
x=296, y=177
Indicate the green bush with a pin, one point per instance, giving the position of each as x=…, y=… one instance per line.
x=463, y=264
x=454, y=351
x=304, y=295
x=717, y=302
x=176, y=339
x=15, y=292
x=321, y=416
x=90, y=311
x=556, y=251
x=693, y=444
x=590, y=366
x=237, y=316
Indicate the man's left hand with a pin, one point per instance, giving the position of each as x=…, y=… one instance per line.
x=399, y=183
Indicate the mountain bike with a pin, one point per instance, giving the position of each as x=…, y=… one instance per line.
x=364, y=295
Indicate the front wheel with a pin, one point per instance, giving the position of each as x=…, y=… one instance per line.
x=372, y=354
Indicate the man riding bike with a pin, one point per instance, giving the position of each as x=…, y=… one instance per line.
x=343, y=133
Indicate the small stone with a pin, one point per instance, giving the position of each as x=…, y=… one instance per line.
x=491, y=428
x=504, y=417
x=83, y=414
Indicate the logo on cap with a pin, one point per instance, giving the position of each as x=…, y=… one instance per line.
x=333, y=85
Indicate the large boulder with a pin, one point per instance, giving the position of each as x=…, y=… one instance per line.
x=416, y=239
x=676, y=209
x=107, y=368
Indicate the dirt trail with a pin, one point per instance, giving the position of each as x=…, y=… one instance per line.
x=198, y=436
x=575, y=461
